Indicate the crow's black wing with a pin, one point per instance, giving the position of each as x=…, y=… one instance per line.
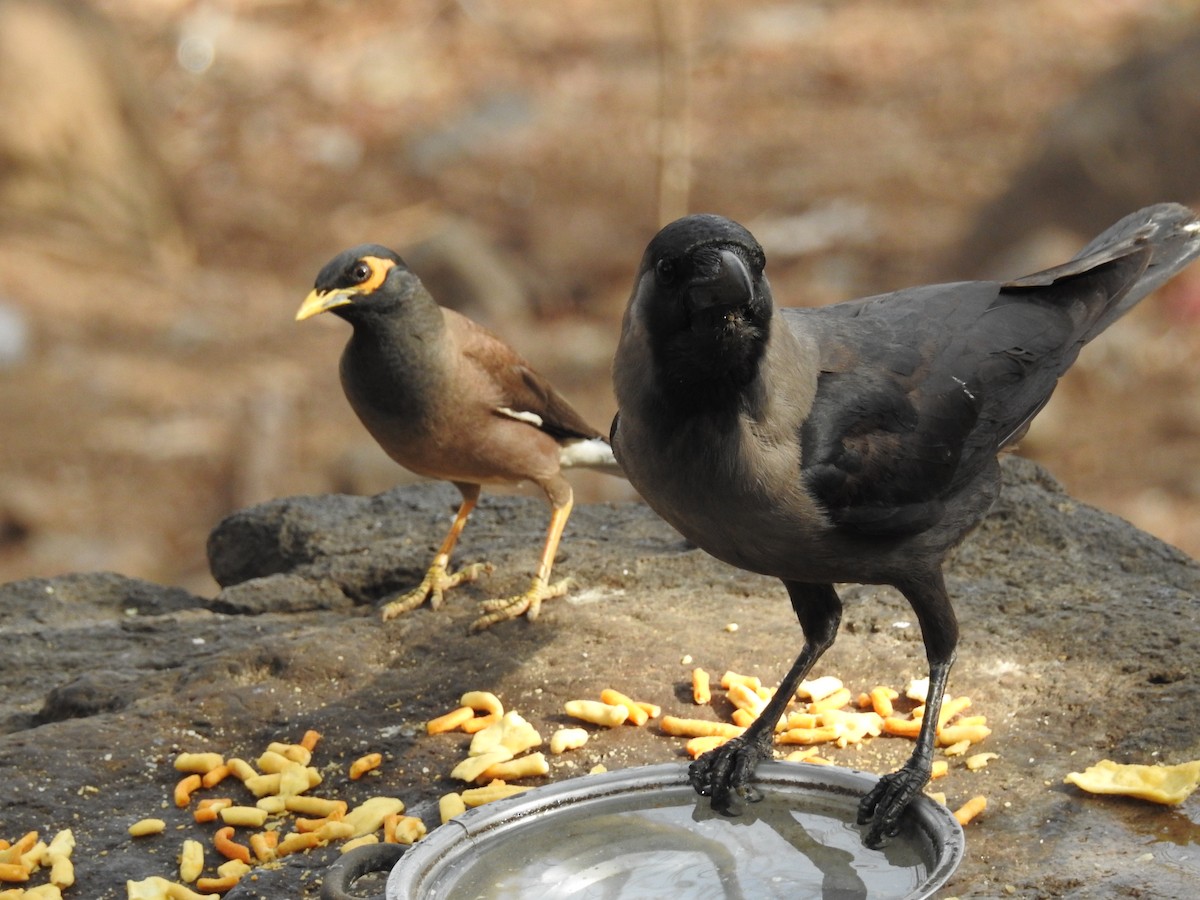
x=919, y=389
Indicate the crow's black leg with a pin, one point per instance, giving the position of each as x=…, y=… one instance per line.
x=882, y=808
x=726, y=772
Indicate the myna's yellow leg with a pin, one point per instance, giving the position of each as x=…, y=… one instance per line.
x=438, y=580
x=530, y=602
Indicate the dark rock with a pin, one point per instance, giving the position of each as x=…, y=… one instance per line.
x=367, y=546
x=76, y=597
x=307, y=535
x=87, y=695
x=1071, y=619
x=279, y=593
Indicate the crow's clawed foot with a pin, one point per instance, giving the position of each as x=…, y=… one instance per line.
x=883, y=807
x=726, y=774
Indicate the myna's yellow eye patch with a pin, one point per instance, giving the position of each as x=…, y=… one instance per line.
x=370, y=272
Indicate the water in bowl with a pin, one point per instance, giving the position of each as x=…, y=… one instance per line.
x=677, y=848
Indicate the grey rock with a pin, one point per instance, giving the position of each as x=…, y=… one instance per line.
x=88, y=694
x=1080, y=641
x=279, y=593
x=352, y=536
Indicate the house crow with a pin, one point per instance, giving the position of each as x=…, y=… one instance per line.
x=852, y=443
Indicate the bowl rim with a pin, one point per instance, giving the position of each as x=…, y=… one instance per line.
x=941, y=831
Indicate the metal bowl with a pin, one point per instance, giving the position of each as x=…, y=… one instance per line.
x=644, y=833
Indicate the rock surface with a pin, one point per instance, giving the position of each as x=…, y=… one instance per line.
x=1080, y=642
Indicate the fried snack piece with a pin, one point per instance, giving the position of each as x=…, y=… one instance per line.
x=365, y=764
x=637, y=714
x=731, y=678
x=224, y=844
x=653, y=710
x=450, y=721
x=952, y=734
x=881, y=698
x=200, y=763
x=315, y=806
x=157, y=888
x=449, y=806
x=217, y=885
x=677, y=727
x=263, y=845
x=13, y=853
x=531, y=766
x=744, y=697
x=596, y=712
x=698, y=746
x=191, y=861
x=213, y=777
x=510, y=732
x=368, y=816
x=474, y=766
x=144, y=827
x=297, y=753
x=209, y=809
x=567, y=739
x=244, y=816
x=1158, y=784
x=184, y=790
x=358, y=842
x=297, y=842
x=970, y=809
x=495, y=790
x=240, y=769
x=979, y=761
x=819, y=735
x=398, y=829
x=836, y=700
x=819, y=688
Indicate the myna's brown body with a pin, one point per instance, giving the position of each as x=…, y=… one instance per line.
x=447, y=399
x=852, y=443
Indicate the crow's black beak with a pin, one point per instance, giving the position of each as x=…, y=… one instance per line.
x=725, y=281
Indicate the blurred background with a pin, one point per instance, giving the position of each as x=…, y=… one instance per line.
x=173, y=173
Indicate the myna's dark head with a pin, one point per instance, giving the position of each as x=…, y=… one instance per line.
x=364, y=279
x=701, y=300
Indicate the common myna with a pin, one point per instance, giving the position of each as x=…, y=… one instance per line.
x=852, y=443
x=448, y=399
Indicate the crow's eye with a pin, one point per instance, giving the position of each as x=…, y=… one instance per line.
x=666, y=270
x=361, y=272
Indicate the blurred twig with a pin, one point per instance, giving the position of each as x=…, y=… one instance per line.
x=673, y=22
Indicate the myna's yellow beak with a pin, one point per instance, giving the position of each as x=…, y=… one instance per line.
x=320, y=301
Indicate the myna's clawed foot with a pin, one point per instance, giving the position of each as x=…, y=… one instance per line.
x=883, y=807
x=726, y=774
x=433, y=586
x=528, y=604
